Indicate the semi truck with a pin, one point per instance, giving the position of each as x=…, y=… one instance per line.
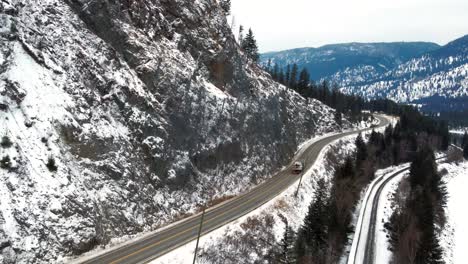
x=297, y=167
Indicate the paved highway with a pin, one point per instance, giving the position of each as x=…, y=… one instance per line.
x=185, y=231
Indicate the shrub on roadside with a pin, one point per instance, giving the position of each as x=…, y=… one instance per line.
x=5, y=162
x=6, y=142
x=51, y=165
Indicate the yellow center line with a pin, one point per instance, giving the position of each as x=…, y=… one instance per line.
x=281, y=181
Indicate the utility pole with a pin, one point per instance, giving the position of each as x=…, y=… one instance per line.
x=199, y=234
x=300, y=180
x=299, y=185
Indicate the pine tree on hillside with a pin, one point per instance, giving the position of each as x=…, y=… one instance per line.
x=361, y=151
x=288, y=254
x=226, y=6
x=249, y=46
x=314, y=229
x=324, y=93
x=287, y=75
x=281, y=77
x=338, y=118
x=423, y=168
x=303, y=82
x=293, y=77
x=445, y=135
x=335, y=99
x=429, y=250
x=275, y=72
x=374, y=138
x=268, y=66
x=346, y=170
x=388, y=135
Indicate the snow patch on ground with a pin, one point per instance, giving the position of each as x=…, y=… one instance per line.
x=460, y=131
x=454, y=238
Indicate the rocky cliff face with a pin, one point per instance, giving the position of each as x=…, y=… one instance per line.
x=119, y=116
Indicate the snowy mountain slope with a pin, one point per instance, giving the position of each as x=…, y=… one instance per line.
x=147, y=110
x=417, y=73
x=345, y=63
x=437, y=80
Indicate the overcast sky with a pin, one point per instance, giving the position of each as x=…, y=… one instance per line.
x=287, y=24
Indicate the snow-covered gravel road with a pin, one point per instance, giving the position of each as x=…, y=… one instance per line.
x=370, y=242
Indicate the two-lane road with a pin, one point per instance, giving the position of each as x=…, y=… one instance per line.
x=185, y=231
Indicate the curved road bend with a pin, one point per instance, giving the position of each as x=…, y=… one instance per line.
x=363, y=248
x=185, y=231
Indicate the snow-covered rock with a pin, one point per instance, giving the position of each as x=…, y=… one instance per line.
x=125, y=115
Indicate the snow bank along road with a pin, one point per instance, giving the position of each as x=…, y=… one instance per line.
x=364, y=241
x=178, y=234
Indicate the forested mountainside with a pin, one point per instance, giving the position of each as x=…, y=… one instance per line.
x=433, y=77
x=437, y=80
x=349, y=62
x=120, y=116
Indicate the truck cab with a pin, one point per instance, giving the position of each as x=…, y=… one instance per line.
x=297, y=167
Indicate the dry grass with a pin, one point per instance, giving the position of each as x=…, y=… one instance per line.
x=281, y=204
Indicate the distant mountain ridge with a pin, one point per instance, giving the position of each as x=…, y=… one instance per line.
x=436, y=80
x=324, y=62
x=426, y=74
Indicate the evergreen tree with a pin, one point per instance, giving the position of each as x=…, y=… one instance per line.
x=444, y=134
x=314, y=229
x=361, y=150
x=287, y=76
x=374, y=138
x=388, y=135
x=226, y=6
x=293, y=77
x=303, y=82
x=335, y=100
x=346, y=170
x=287, y=254
x=275, y=72
x=249, y=46
x=300, y=246
x=281, y=77
x=429, y=250
x=324, y=93
x=268, y=66
x=423, y=168
x=338, y=118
